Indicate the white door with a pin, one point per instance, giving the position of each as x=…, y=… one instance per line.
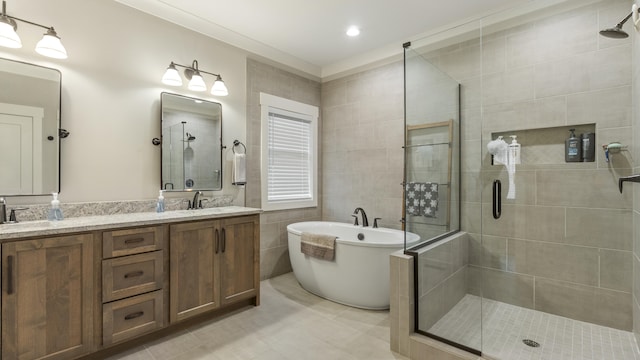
x=20, y=149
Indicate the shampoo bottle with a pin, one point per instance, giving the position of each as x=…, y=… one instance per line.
x=55, y=213
x=160, y=203
x=514, y=151
x=588, y=147
x=572, y=148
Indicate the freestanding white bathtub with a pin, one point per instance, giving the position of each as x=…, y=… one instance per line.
x=359, y=275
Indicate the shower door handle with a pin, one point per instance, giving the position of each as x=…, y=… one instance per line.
x=497, y=199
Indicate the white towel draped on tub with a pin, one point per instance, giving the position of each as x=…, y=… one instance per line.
x=318, y=245
x=239, y=169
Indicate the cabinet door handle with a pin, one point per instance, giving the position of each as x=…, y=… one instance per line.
x=134, y=241
x=217, y=241
x=134, y=315
x=9, y=275
x=224, y=240
x=133, y=274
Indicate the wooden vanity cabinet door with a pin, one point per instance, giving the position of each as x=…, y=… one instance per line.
x=193, y=270
x=240, y=259
x=47, y=293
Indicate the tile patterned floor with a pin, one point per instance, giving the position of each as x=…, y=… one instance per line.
x=506, y=325
x=290, y=324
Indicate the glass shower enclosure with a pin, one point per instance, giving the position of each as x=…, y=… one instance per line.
x=531, y=259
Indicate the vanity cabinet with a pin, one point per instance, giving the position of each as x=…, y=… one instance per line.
x=47, y=297
x=70, y=295
x=213, y=263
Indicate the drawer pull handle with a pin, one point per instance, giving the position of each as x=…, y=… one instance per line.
x=133, y=274
x=134, y=315
x=134, y=241
x=9, y=275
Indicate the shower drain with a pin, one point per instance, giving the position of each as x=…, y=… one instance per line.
x=531, y=343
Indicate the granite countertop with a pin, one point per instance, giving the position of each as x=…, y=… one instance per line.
x=92, y=223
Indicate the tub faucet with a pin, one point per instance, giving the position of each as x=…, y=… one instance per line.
x=194, y=203
x=365, y=221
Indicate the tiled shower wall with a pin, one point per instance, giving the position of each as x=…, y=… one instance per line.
x=274, y=254
x=636, y=191
x=564, y=245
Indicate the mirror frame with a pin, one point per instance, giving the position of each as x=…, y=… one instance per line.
x=162, y=139
x=59, y=134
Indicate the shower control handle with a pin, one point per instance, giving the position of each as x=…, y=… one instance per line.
x=632, y=178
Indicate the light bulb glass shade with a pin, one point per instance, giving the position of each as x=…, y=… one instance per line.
x=51, y=46
x=172, y=77
x=197, y=82
x=8, y=36
x=219, y=88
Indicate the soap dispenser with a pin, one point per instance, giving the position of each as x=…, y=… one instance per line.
x=572, y=147
x=514, y=151
x=55, y=213
x=160, y=203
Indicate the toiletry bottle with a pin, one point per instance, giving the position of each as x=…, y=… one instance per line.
x=160, y=203
x=588, y=147
x=514, y=151
x=572, y=148
x=55, y=213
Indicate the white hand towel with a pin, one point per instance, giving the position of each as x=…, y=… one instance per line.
x=239, y=169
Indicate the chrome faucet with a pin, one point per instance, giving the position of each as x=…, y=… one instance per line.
x=365, y=221
x=195, y=204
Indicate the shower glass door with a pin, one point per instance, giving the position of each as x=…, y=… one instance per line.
x=432, y=197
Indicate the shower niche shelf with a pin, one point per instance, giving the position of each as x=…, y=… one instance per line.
x=545, y=146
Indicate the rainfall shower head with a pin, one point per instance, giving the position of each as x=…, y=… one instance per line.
x=617, y=32
x=190, y=137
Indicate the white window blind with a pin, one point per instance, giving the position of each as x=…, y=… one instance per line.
x=289, y=156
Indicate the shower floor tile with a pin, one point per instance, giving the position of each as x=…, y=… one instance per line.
x=505, y=326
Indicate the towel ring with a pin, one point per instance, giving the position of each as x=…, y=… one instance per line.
x=237, y=143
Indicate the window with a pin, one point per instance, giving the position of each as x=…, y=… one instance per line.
x=289, y=153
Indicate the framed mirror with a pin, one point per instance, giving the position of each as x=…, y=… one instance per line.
x=191, y=143
x=29, y=129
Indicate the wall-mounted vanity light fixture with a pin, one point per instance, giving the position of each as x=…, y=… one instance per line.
x=196, y=82
x=49, y=45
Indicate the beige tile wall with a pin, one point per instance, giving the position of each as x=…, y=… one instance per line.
x=362, y=156
x=636, y=193
x=274, y=254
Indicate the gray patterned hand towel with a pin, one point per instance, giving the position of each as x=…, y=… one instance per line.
x=413, y=198
x=429, y=199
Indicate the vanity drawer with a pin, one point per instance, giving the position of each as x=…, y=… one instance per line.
x=131, y=275
x=131, y=241
x=131, y=317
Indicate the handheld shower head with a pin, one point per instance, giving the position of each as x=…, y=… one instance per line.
x=190, y=137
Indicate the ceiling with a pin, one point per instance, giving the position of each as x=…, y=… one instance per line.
x=310, y=35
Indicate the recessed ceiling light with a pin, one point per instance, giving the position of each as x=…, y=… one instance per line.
x=353, y=31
